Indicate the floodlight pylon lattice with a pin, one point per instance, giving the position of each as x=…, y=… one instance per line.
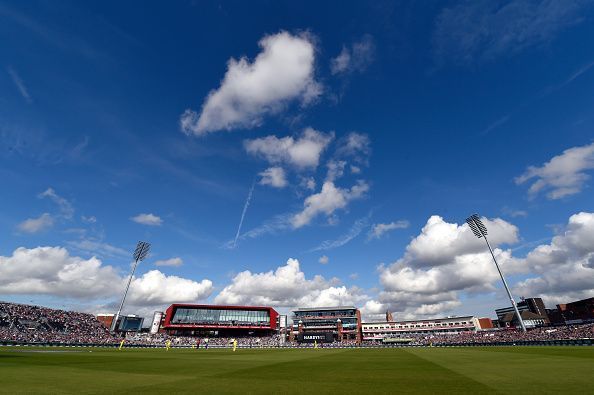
x=480, y=230
x=140, y=253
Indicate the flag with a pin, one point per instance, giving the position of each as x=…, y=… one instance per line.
x=121, y=344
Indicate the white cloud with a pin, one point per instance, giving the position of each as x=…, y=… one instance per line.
x=53, y=271
x=356, y=146
x=327, y=201
x=147, y=219
x=442, y=261
x=89, y=220
x=99, y=248
x=282, y=72
x=324, y=260
x=176, y=261
x=47, y=220
x=485, y=29
x=353, y=232
x=308, y=183
x=66, y=209
x=35, y=225
x=277, y=224
x=563, y=175
x=356, y=58
x=514, y=213
x=378, y=230
x=441, y=242
x=335, y=169
x=274, y=176
x=285, y=287
x=562, y=271
x=303, y=152
x=341, y=63
x=155, y=288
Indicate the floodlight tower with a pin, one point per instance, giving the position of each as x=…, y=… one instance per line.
x=480, y=230
x=142, y=250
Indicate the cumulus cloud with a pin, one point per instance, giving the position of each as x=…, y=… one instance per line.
x=564, y=175
x=485, y=29
x=35, y=225
x=562, y=271
x=288, y=287
x=442, y=261
x=282, y=72
x=378, y=230
x=147, y=219
x=47, y=220
x=327, y=201
x=274, y=176
x=355, y=58
x=176, y=261
x=324, y=260
x=53, y=271
x=303, y=152
x=154, y=288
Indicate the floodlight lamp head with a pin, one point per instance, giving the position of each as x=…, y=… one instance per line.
x=477, y=226
x=142, y=250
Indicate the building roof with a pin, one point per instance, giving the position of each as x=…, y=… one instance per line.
x=526, y=315
x=220, y=307
x=468, y=317
x=326, y=308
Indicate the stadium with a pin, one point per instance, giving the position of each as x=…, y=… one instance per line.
x=289, y=197
x=237, y=348
x=214, y=348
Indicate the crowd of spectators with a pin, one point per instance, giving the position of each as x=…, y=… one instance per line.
x=567, y=332
x=160, y=339
x=33, y=324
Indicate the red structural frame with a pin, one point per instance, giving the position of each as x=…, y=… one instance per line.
x=169, y=315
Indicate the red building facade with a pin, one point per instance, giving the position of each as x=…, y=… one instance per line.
x=193, y=319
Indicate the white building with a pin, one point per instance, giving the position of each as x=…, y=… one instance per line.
x=406, y=329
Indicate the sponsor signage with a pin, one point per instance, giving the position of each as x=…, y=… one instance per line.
x=323, y=337
x=282, y=319
x=156, y=324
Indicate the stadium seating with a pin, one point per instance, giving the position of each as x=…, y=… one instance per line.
x=21, y=323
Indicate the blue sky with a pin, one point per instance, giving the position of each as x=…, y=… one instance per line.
x=366, y=134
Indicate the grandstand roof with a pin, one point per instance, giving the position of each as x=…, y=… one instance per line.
x=326, y=308
x=526, y=315
x=221, y=307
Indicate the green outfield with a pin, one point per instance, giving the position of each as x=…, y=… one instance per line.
x=526, y=370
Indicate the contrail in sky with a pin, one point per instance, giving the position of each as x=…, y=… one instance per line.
x=247, y=203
